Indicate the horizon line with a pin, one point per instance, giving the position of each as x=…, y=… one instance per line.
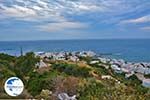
x=75, y=39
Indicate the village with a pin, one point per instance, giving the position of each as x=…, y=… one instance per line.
x=118, y=65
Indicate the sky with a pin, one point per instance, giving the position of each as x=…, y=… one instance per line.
x=74, y=19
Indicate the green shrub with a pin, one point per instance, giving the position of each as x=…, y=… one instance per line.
x=71, y=69
x=91, y=91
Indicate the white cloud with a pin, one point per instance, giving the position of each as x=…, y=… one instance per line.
x=61, y=26
x=32, y=9
x=83, y=7
x=42, y=2
x=30, y=13
x=146, y=28
x=137, y=20
x=106, y=11
x=37, y=8
x=18, y=12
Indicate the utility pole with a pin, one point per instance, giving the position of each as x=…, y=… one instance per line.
x=21, y=51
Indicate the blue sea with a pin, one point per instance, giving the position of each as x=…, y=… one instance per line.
x=134, y=50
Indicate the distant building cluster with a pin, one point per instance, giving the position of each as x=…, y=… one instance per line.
x=73, y=56
x=121, y=66
x=118, y=65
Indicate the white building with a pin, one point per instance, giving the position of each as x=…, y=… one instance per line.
x=146, y=83
x=41, y=64
x=103, y=60
x=94, y=62
x=74, y=58
x=116, y=68
x=127, y=75
x=106, y=77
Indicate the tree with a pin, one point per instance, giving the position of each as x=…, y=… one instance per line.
x=25, y=64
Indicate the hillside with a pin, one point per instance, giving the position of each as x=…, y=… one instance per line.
x=48, y=79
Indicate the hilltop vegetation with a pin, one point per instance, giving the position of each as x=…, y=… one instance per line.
x=64, y=76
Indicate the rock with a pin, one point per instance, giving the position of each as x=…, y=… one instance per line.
x=64, y=96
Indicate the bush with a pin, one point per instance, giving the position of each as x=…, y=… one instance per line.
x=35, y=86
x=147, y=76
x=26, y=64
x=71, y=69
x=7, y=57
x=92, y=91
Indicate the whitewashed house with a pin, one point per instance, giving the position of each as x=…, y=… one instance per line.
x=106, y=77
x=74, y=58
x=94, y=62
x=116, y=68
x=41, y=64
x=146, y=83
